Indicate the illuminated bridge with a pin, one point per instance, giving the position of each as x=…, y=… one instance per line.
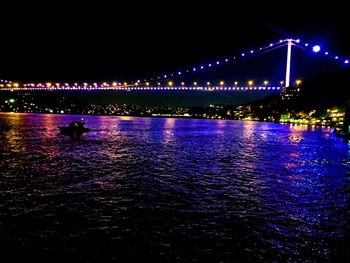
x=174, y=81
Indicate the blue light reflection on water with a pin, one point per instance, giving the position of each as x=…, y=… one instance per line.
x=172, y=189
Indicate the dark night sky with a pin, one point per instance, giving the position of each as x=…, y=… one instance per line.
x=108, y=42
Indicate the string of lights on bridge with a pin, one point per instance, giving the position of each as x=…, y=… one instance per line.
x=245, y=54
x=157, y=82
x=158, y=88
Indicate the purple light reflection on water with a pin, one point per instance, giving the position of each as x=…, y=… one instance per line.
x=172, y=188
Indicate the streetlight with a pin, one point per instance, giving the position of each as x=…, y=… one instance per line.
x=266, y=82
x=298, y=82
x=250, y=83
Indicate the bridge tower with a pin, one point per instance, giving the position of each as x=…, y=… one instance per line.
x=289, y=54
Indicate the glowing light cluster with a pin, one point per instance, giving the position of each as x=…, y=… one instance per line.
x=5, y=81
x=8, y=85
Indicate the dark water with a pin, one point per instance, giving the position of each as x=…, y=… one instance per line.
x=172, y=190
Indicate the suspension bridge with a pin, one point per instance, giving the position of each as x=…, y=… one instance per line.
x=173, y=81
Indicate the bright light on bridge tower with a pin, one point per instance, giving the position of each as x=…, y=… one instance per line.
x=289, y=54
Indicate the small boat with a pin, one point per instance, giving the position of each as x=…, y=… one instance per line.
x=75, y=129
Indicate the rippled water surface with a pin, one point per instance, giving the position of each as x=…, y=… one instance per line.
x=152, y=189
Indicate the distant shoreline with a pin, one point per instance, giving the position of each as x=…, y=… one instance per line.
x=170, y=117
x=136, y=116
